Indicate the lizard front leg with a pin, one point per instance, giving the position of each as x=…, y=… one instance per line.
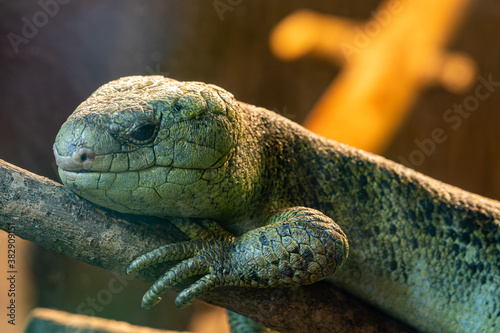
x=297, y=246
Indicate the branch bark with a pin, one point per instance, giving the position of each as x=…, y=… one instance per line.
x=47, y=213
x=50, y=320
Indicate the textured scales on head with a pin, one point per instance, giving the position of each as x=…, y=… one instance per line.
x=147, y=92
x=153, y=145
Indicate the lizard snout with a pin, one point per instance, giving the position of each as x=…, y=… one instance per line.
x=81, y=159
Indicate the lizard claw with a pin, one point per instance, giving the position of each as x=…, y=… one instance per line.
x=201, y=257
x=299, y=247
x=190, y=267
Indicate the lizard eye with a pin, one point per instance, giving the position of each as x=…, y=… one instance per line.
x=143, y=133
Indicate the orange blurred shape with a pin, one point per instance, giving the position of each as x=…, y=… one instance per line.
x=387, y=61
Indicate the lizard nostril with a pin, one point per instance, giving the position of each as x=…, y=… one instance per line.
x=84, y=157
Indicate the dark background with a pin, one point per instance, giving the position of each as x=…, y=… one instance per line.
x=88, y=43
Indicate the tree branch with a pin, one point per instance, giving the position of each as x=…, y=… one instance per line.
x=50, y=320
x=47, y=213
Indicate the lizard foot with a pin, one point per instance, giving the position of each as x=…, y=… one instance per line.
x=299, y=246
x=203, y=255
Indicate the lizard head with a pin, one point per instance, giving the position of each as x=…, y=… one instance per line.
x=152, y=145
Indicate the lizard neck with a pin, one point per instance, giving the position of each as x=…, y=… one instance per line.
x=298, y=167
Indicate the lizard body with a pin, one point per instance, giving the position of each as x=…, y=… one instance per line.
x=425, y=252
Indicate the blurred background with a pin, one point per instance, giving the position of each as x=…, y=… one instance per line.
x=415, y=83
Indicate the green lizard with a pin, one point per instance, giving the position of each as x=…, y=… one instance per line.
x=269, y=192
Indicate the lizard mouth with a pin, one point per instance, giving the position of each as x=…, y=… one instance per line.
x=153, y=190
x=84, y=160
x=84, y=170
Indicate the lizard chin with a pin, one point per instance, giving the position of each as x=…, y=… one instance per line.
x=159, y=191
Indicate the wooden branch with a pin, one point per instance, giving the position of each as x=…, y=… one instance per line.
x=50, y=320
x=47, y=213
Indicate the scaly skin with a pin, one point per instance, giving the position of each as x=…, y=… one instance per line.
x=423, y=251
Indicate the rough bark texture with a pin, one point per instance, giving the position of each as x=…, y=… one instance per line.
x=49, y=320
x=47, y=213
